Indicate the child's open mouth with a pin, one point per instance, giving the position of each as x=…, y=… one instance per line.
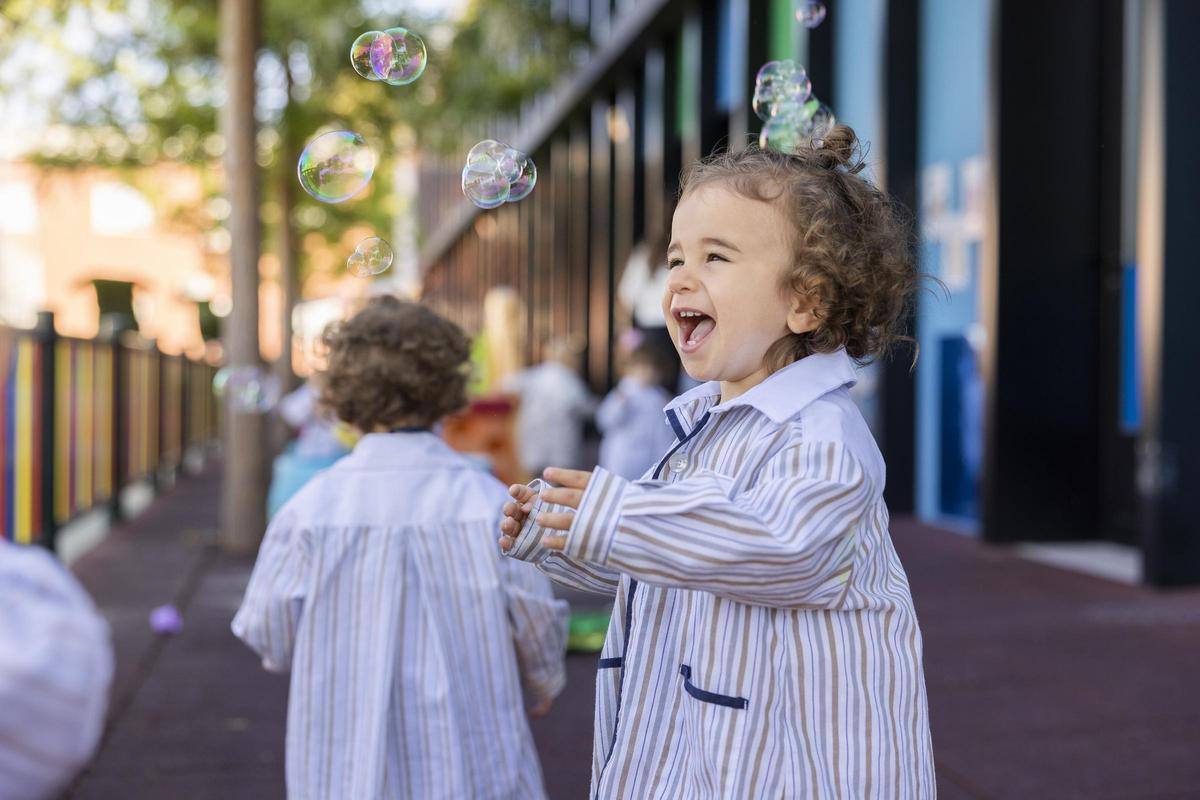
x=694, y=328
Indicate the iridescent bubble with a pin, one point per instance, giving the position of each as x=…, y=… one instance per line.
x=246, y=389
x=371, y=257
x=336, y=166
x=398, y=56
x=484, y=185
x=811, y=14
x=523, y=185
x=496, y=173
x=360, y=55
x=820, y=122
x=781, y=134
x=779, y=84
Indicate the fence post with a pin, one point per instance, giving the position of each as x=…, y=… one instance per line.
x=45, y=334
x=110, y=332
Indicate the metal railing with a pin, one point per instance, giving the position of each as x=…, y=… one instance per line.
x=82, y=419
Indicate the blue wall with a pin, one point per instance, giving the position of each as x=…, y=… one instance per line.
x=953, y=76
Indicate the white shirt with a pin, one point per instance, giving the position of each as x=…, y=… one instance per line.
x=642, y=286
x=554, y=403
x=381, y=587
x=56, y=665
x=636, y=433
x=764, y=641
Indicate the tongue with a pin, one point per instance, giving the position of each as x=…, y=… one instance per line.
x=702, y=329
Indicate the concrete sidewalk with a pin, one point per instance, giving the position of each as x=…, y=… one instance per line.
x=1042, y=683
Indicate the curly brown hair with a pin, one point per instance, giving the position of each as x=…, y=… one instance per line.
x=853, y=246
x=394, y=363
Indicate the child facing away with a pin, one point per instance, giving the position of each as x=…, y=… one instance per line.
x=630, y=417
x=763, y=641
x=380, y=587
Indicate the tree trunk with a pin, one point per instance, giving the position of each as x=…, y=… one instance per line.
x=243, y=500
x=289, y=263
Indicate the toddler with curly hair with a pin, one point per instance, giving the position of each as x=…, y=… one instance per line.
x=763, y=641
x=380, y=588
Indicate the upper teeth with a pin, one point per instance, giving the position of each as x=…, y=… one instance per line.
x=690, y=314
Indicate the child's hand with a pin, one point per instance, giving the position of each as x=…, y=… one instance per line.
x=514, y=514
x=541, y=708
x=569, y=493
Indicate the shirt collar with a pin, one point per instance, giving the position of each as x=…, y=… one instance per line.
x=780, y=396
x=403, y=451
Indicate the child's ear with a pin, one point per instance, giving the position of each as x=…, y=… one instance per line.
x=802, y=317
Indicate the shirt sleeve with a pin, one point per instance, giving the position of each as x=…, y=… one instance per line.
x=539, y=629
x=275, y=597
x=560, y=568
x=788, y=541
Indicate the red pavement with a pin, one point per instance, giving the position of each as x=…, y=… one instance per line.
x=1042, y=683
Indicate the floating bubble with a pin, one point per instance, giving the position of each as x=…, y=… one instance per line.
x=523, y=185
x=781, y=134
x=246, y=389
x=484, y=185
x=371, y=257
x=496, y=173
x=360, y=55
x=166, y=620
x=780, y=85
x=820, y=122
x=336, y=166
x=398, y=56
x=810, y=14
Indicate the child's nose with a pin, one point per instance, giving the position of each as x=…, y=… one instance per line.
x=680, y=280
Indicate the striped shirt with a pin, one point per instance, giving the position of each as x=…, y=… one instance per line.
x=763, y=641
x=381, y=587
x=56, y=665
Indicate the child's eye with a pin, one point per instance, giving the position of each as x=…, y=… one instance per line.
x=716, y=257
x=672, y=263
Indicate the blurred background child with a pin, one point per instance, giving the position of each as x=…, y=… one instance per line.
x=631, y=419
x=555, y=405
x=380, y=587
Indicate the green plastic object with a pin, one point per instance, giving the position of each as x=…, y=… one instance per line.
x=587, y=631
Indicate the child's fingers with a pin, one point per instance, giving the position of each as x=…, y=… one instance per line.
x=521, y=493
x=554, y=542
x=513, y=510
x=569, y=478
x=509, y=526
x=557, y=520
x=563, y=497
x=506, y=543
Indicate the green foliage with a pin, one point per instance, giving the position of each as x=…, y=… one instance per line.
x=143, y=84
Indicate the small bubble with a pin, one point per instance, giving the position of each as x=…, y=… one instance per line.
x=398, y=56
x=371, y=257
x=810, y=14
x=496, y=173
x=246, y=389
x=360, y=55
x=336, y=166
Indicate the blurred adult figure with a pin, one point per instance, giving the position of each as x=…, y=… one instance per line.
x=56, y=665
x=555, y=403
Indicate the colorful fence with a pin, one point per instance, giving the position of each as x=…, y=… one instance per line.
x=81, y=419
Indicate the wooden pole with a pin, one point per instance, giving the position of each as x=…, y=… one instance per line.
x=243, y=501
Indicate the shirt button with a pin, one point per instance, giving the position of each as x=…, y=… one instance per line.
x=679, y=462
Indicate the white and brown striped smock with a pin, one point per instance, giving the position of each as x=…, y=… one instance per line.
x=763, y=641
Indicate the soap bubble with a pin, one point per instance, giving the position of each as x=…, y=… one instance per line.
x=782, y=134
x=820, y=122
x=523, y=185
x=398, y=56
x=247, y=389
x=780, y=85
x=336, y=166
x=483, y=184
x=360, y=55
x=811, y=14
x=166, y=620
x=496, y=173
x=371, y=257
